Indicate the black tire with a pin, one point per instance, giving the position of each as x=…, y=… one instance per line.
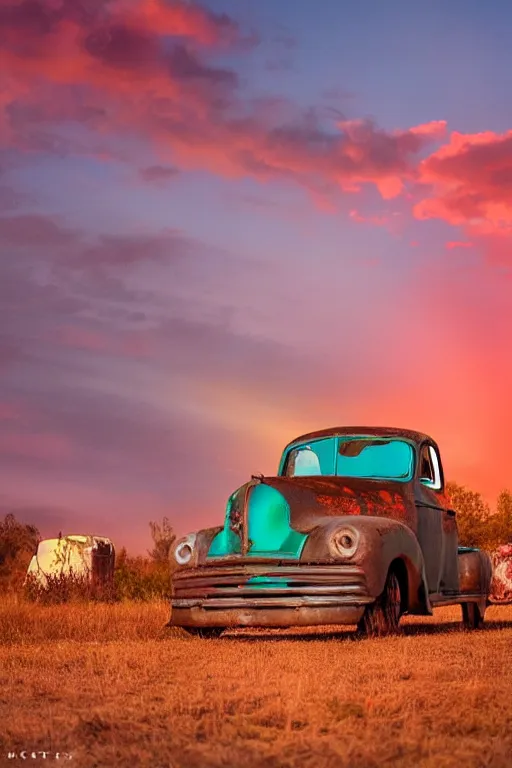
x=204, y=632
x=383, y=616
x=471, y=616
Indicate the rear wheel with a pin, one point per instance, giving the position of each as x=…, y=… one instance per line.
x=204, y=632
x=471, y=616
x=383, y=616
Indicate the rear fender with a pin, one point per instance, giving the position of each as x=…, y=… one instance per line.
x=475, y=571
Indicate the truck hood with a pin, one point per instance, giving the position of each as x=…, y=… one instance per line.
x=273, y=516
x=311, y=498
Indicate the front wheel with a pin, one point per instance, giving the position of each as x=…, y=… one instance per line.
x=383, y=616
x=204, y=632
x=472, y=617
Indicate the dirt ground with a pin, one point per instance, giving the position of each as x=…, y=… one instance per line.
x=110, y=686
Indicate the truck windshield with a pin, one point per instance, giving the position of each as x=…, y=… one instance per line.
x=354, y=456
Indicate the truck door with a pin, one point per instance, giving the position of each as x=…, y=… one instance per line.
x=437, y=527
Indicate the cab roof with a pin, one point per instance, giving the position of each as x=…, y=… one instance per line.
x=398, y=432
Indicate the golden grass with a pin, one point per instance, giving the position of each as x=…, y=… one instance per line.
x=22, y=622
x=110, y=685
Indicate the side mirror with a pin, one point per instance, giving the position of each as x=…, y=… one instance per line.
x=426, y=481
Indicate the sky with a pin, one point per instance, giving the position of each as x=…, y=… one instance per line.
x=223, y=225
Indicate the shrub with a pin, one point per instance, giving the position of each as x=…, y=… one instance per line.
x=18, y=542
x=67, y=588
x=140, y=578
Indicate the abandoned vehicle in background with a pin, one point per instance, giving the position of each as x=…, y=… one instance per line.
x=89, y=559
x=354, y=529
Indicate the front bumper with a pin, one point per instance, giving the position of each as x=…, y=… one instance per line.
x=268, y=595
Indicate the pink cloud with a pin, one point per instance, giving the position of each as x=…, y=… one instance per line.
x=30, y=230
x=37, y=445
x=82, y=338
x=158, y=173
x=452, y=244
x=127, y=75
x=129, y=344
x=37, y=18
x=9, y=411
x=183, y=19
x=393, y=221
x=305, y=153
x=377, y=221
x=126, y=65
x=470, y=182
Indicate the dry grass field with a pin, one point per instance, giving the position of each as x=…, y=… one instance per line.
x=110, y=685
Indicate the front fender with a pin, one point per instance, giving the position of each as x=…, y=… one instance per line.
x=383, y=541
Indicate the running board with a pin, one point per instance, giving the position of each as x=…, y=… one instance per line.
x=437, y=600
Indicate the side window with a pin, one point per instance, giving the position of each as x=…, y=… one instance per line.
x=310, y=460
x=303, y=462
x=426, y=468
x=430, y=470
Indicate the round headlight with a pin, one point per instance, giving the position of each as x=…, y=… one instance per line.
x=344, y=542
x=185, y=549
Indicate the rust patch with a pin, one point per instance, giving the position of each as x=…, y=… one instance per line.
x=373, y=503
x=340, y=505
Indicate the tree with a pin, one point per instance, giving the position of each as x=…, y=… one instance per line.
x=473, y=516
x=163, y=538
x=502, y=520
x=121, y=557
x=18, y=542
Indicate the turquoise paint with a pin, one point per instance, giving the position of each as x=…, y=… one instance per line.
x=226, y=542
x=266, y=582
x=269, y=532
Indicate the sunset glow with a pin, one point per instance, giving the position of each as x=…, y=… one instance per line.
x=226, y=224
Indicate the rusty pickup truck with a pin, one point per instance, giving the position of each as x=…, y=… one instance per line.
x=354, y=529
